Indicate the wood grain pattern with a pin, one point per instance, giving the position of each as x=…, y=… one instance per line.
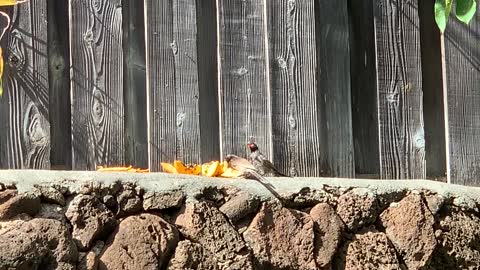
x=432, y=81
x=173, y=82
x=334, y=92
x=59, y=78
x=25, y=127
x=462, y=59
x=399, y=87
x=292, y=50
x=364, y=89
x=97, y=83
x=135, y=93
x=244, y=94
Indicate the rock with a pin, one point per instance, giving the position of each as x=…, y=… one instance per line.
x=409, y=226
x=308, y=197
x=240, y=206
x=282, y=238
x=52, y=211
x=90, y=219
x=459, y=239
x=14, y=204
x=435, y=202
x=328, y=229
x=162, y=200
x=51, y=195
x=140, y=242
x=89, y=261
x=128, y=202
x=207, y=226
x=466, y=203
x=36, y=244
x=357, y=208
x=367, y=250
x=190, y=255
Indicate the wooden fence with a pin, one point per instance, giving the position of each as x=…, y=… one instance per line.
x=327, y=87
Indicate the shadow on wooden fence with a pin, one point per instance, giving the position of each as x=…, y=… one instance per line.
x=327, y=88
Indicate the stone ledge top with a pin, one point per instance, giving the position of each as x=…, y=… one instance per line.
x=25, y=180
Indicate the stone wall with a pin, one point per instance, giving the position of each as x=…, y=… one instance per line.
x=60, y=220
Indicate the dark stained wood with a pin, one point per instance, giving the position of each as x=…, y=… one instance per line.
x=59, y=77
x=462, y=62
x=399, y=86
x=207, y=79
x=292, y=49
x=97, y=83
x=245, y=107
x=136, y=131
x=334, y=93
x=25, y=128
x=433, y=106
x=364, y=89
x=173, y=83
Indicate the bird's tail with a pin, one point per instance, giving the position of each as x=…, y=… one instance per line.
x=268, y=186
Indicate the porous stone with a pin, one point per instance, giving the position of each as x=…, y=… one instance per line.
x=13, y=204
x=357, y=209
x=239, y=206
x=190, y=255
x=162, y=200
x=50, y=195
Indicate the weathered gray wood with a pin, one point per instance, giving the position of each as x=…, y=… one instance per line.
x=462, y=62
x=208, y=80
x=433, y=106
x=334, y=93
x=136, y=131
x=399, y=84
x=364, y=89
x=295, y=124
x=59, y=78
x=244, y=91
x=24, y=119
x=97, y=83
x=173, y=82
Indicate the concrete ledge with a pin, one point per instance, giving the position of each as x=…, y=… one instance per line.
x=25, y=180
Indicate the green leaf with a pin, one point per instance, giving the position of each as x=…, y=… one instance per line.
x=465, y=10
x=442, y=11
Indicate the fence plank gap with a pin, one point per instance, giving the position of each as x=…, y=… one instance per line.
x=364, y=89
x=244, y=94
x=25, y=137
x=134, y=82
x=97, y=83
x=292, y=50
x=59, y=77
x=462, y=62
x=334, y=91
x=433, y=106
x=399, y=86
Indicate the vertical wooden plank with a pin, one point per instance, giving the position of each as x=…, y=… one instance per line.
x=134, y=81
x=59, y=77
x=208, y=79
x=334, y=93
x=292, y=49
x=399, y=88
x=173, y=81
x=433, y=106
x=364, y=89
x=97, y=83
x=244, y=95
x=462, y=70
x=25, y=137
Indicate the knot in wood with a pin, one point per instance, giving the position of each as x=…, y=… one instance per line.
x=282, y=63
x=174, y=47
x=88, y=36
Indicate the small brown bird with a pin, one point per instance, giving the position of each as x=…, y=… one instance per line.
x=260, y=161
x=250, y=172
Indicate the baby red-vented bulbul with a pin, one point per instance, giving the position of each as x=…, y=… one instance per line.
x=260, y=161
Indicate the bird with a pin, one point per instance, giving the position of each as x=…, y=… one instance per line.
x=249, y=171
x=261, y=162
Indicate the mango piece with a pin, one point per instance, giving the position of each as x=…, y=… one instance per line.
x=211, y=169
x=230, y=173
x=187, y=169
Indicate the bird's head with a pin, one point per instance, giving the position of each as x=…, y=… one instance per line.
x=252, y=146
x=228, y=158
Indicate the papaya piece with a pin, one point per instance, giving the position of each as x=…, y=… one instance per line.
x=168, y=168
x=211, y=169
x=186, y=169
x=230, y=173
